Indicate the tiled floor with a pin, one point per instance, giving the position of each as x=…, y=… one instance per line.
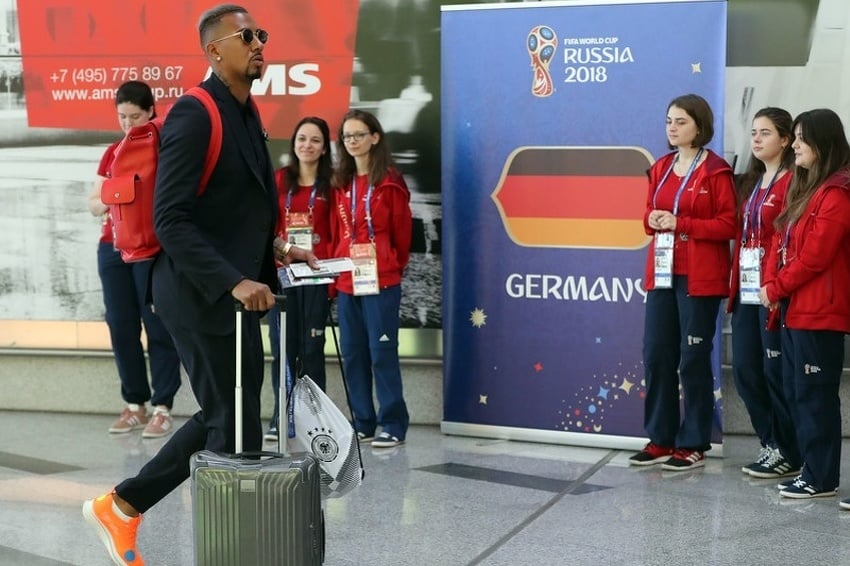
x=437, y=501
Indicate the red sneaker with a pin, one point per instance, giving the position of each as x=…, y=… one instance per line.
x=651, y=454
x=117, y=534
x=131, y=418
x=159, y=425
x=684, y=459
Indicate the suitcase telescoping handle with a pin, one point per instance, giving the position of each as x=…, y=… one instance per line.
x=283, y=422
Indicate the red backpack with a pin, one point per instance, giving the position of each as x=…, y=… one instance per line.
x=128, y=192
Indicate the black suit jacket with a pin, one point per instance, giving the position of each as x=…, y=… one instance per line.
x=211, y=242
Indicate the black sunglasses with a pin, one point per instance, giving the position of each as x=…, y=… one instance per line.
x=247, y=36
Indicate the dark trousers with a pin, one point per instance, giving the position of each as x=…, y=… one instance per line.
x=306, y=316
x=757, y=368
x=368, y=334
x=811, y=370
x=210, y=362
x=124, y=286
x=677, y=342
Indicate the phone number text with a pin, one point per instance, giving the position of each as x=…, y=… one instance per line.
x=103, y=75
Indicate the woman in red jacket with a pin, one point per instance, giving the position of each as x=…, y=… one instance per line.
x=756, y=352
x=690, y=212
x=303, y=192
x=124, y=288
x=808, y=277
x=371, y=223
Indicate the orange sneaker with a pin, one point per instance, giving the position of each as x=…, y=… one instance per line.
x=118, y=535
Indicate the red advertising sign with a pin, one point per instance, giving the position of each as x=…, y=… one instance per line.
x=75, y=55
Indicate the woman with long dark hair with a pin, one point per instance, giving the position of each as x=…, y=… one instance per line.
x=807, y=280
x=303, y=190
x=756, y=351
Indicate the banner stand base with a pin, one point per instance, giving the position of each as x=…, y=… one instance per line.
x=554, y=437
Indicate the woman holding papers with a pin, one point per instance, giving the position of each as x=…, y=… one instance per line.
x=303, y=187
x=691, y=216
x=371, y=223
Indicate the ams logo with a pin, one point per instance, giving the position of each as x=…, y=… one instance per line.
x=298, y=80
x=301, y=79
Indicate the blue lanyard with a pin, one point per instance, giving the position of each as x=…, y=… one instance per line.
x=681, y=186
x=787, y=236
x=309, y=204
x=751, y=213
x=368, y=211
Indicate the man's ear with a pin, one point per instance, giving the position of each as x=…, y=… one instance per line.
x=212, y=52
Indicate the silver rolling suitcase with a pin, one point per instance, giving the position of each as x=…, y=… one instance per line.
x=257, y=509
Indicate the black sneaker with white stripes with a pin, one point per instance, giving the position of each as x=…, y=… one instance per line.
x=764, y=456
x=801, y=489
x=787, y=483
x=776, y=466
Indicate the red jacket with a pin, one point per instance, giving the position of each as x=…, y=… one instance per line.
x=770, y=210
x=300, y=201
x=709, y=224
x=391, y=220
x=816, y=273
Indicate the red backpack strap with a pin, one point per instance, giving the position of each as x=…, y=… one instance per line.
x=214, y=147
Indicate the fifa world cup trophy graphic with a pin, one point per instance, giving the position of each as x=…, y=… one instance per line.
x=541, y=48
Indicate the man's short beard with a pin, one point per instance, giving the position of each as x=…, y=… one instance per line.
x=252, y=76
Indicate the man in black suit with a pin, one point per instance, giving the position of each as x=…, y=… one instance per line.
x=217, y=248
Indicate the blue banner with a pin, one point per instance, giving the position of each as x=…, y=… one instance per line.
x=551, y=115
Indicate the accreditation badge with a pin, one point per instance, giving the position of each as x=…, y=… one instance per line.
x=365, y=274
x=750, y=275
x=664, y=242
x=299, y=230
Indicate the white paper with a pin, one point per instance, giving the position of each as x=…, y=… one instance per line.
x=286, y=279
x=327, y=268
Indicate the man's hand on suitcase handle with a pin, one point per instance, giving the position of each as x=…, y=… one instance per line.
x=253, y=295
